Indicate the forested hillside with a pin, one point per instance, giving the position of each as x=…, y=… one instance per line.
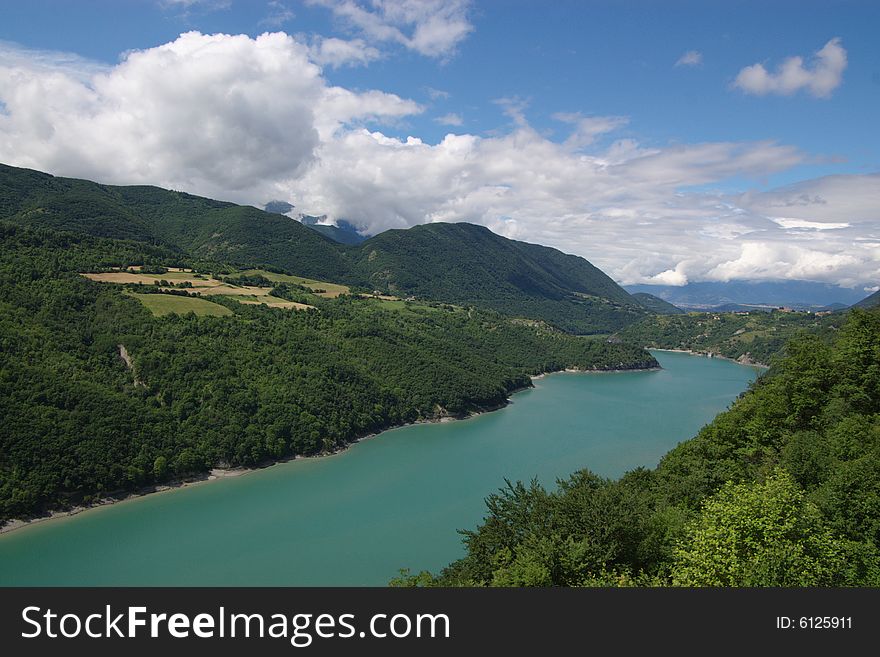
x=783, y=489
x=456, y=263
x=870, y=301
x=754, y=337
x=259, y=385
x=464, y=263
x=656, y=304
x=189, y=224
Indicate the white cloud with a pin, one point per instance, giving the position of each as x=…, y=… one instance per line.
x=452, y=119
x=801, y=224
x=588, y=128
x=855, y=198
x=278, y=15
x=186, y=5
x=433, y=28
x=335, y=52
x=436, y=94
x=690, y=58
x=675, y=277
x=216, y=114
x=820, y=79
x=514, y=108
x=14, y=56
x=251, y=119
x=758, y=260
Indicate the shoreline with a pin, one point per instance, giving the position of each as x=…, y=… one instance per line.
x=217, y=473
x=712, y=354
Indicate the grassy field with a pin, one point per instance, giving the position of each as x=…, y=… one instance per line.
x=165, y=304
x=331, y=290
x=267, y=300
x=148, y=279
x=399, y=305
x=233, y=291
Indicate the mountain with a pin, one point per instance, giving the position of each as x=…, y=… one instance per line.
x=802, y=295
x=870, y=301
x=656, y=304
x=751, y=337
x=278, y=207
x=343, y=232
x=99, y=394
x=200, y=227
x=742, y=308
x=468, y=264
x=461, y=263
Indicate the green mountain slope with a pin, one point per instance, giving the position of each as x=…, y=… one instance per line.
x=198, y=226
x=869, y=302
x=656, y=304
x=456, y=263
x=468, y=264
x=756, y=337
x=98, y=396
x=337, y=234
x=343, y=232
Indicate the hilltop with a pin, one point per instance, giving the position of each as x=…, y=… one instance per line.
x=468, y=264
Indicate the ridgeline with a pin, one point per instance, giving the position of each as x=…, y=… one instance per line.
x=453, y=263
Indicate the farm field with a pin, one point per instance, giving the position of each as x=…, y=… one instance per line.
x=266, y=300
x=166, y=304
x=401, y=305
x=330, y=290
x=197, y=280
x=202, y=285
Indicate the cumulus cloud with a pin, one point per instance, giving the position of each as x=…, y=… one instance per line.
x=452, y=119
x=627, y=217
x=690, y=58
x=251, y=119
x=820, y=79
x=758, y=260
x=675, y=277
x=14, y=56
x=433, y=28
x=217, y=114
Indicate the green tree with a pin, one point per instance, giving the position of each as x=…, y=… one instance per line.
x=160, y=468
x=758, y=534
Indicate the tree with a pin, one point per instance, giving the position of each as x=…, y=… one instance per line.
x=160, y=468
x=759, y=534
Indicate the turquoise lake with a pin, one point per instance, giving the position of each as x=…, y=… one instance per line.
x=389, y=502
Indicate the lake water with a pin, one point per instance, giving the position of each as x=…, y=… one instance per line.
x=389, y=502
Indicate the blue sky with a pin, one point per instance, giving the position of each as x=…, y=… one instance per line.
x=686, y=156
